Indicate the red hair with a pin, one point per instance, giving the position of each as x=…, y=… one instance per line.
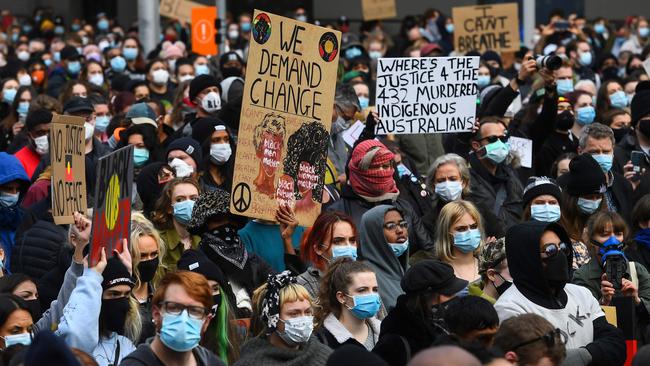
x=315, y=236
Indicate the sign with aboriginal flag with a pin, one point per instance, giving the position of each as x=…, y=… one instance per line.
x=285, y=118
x=68, y=157
x=112, y=213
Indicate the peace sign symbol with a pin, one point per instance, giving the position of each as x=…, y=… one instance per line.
x=241, y=197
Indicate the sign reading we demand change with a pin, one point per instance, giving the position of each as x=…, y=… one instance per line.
x=285, y=118
x=426, y=95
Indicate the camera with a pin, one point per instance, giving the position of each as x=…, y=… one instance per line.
x=614, y=262
x=550, y=62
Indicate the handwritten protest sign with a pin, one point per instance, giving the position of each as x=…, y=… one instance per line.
x=524, y=148
x=426, y=95
x=378, y=9
x=112, y=213
x=285, y=118
x=68, y=154
x=178, y=9
x=203, y=31
x=486, y=27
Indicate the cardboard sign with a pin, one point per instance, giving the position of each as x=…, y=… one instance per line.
x=378, y=9
x=610, y=314
x=285, y=118
x=68, y=156
x=524, y=148
x=112, y=213
x=486, y=27
x=203, y=32
x=351, y=135
x=178, y=9
x=426, y=95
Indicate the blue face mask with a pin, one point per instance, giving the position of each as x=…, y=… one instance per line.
x=399, y=248
x=183, y=211
x=365, y=306
x=564, y=86
x=585, y=58
x=644, y=31
x=59, y=30
x=102, y=24
x=23, y=108
x=140, y=156
x=375, y=55
x=201, y=69
x=588, y=206
x=8, y=199
x=245, y=27
x=497, y=151
x=74, y=67
x=118, y=64
x=545, y=213
x=75, y=27
x=610, y=247
x=130, y=53
x=483, y=81
x=618, y=99
x=585, y=115
x=344, y=251
x=604, y=160
x=57, y=56
x=364, y=102
x=101, y=123
x=449, y=27
x=467, y=241
x=449, y=190
x=47, y=62
x=8, y=95
x=599, y=28
x=22, y=338
x=180, y=332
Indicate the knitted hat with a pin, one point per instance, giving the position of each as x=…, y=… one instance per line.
x=48, y=349
x=640, y=105
x=584, y=177
x=36, y=117
x=208, y=204
x=115, y=274
x=201, y=82
x=432, y=275
x=204, y=127
x=195, y=261
x=492, y=255
x=230, y=56
x=141, y=113
x=537, y=186
x=189, y=146
x=78, y=104
x=69, y=53
x=172, y=51
x=491, y=56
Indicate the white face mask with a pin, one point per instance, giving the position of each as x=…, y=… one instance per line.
x=23, y=55
x=25, y=80
x=220, y=153
x=211, y=102
x=181, y=168
x=97, y=79
x=89, y=130
x=42, y=144
x=233, y=34
x=160, y=76
x=186, y=78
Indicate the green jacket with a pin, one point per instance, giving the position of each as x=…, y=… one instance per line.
x=174, y=248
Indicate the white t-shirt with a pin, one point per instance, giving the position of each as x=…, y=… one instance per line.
x=575, y=320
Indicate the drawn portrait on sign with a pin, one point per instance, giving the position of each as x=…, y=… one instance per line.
x=305, y=164
x=268, y=140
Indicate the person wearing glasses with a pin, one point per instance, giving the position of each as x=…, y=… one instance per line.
x=531, y=340
x=540, y=260
x=181, y=313
x=384, y=244
x=494, y=184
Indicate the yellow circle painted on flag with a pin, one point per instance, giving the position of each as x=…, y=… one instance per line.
x=112, y=202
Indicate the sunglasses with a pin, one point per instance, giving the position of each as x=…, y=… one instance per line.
x=493, y=139
x=550, y=339
x=392, y=226
x=551, y=249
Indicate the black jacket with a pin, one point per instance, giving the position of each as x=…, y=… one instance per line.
x=621, y=192
x=622, y=154
x=38, y=249
x=144, y=356
x=355, y=206
x=554, y=145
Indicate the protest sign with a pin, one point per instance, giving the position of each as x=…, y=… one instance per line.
x=486, y=27
x=285, y=118
x=351, y=135
x=524, y=148
x=68, y=156
x=378, y=9
x=178, y=9
x=112, y=212
x=203, y=31
x=426, y=95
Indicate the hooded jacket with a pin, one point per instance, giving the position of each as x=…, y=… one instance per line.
x=570, y=308
x=375, y=249
x=10, y=217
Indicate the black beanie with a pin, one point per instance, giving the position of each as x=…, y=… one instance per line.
x=204, y=127
x=201, y=82
x=189, y=146
x=36, y=117
x=640, y=105
x=537, y=186
x=585, y=177
x=115, y=274
x=195, y=261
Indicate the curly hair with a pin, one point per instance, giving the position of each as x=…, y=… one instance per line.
x=273, y=123
x=308, y=143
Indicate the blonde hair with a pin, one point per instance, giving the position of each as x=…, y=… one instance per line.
x=133, y=323
x=141, y=226
x=289, y=293
x=449, y=215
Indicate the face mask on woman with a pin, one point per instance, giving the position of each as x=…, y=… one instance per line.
x=545, y=212
x=297, y=330
x=147, y=269
x=183, y=211
x=585, y=115
x=449, y=190
x=344, y=251
x=22, y=338
x=8, y=199
x=587, y=206
x=618, y=99
x=8, y=95
x=101, y=123
x=399, y=248
x=114, y=312
x=140, y=156
x=467, y=241
x=220, y=153
x=365, y=306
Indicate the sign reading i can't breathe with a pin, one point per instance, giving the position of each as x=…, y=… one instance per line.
x=286, y=116
x=486, y=27
x=426, y=95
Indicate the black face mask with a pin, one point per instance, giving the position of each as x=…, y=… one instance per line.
x=34, y=308
x=620, y=133
x=556, y=271
x=148, y=269
x=217, y=302
x=230, y=71
x=609, y=73
x=644, y=127
x=564, y=120
x=113, y=314
x=503, y=286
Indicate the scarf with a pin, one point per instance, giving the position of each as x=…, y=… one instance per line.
x=10, y=217
x=643, y=237
x=271, y=301
x=372, y=184
x=225, y=242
